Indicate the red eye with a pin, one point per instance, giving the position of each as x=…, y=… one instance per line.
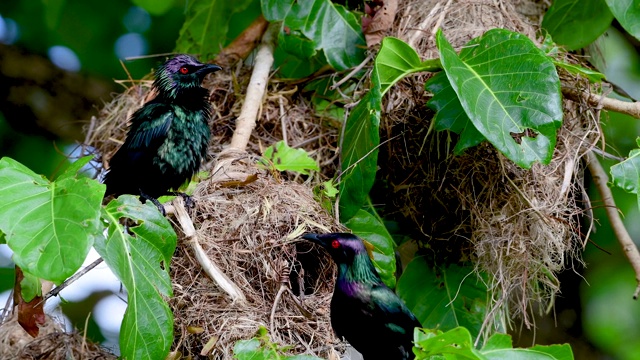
x=335, y=244
x=184, y=70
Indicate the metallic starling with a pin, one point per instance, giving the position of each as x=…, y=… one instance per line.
x=369, y=315
x=168, y=137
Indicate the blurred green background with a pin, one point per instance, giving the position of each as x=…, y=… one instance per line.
x=58, y=60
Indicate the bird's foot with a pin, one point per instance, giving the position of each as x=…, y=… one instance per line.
x=144, y=197
x=188, y=200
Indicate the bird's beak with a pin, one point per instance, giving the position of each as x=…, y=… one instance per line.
x=312, y=237
x=208, y=68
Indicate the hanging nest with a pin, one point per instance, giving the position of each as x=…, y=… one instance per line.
x=522, y=227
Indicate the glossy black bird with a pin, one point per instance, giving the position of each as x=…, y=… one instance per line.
x=369, y=315
x=168, y=137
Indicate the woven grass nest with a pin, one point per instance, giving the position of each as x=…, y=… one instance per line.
x=519, y=226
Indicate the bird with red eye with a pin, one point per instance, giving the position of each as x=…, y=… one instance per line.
x=368, y=314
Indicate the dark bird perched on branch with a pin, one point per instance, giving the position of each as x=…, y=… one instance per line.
x=168, y=136
x=369, y=315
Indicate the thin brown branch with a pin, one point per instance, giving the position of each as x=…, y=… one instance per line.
x=601, y=179
x=624, y=107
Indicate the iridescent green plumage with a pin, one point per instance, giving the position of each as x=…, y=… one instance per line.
x=369, y=315
x=168, y=136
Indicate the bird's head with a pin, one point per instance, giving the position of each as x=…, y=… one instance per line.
x=181, y=72
x=343, y=247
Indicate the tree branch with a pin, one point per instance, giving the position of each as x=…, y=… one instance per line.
x=256, y=89
x=600, y=178
x=624, y=107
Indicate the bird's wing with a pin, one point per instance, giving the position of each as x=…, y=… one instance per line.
x=390, y=307
x=149, y=126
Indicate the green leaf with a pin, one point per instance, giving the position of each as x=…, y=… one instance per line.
x=499, y=347
x=396, y=59
x=206, y=26
x=285, y=158
x=577, y=23
x=443, y=298
x=330, y=189
x=359, y=153
x=275, y=10
x=592, y=75
x=449, y=113
x=456, y=342
x=368, y=226
x=30, y=286
x=330, y=27
x=626, y=174
x=155, y=7
x=139, y=255
x=510, y=91
x=50, y=226
x=627, y=12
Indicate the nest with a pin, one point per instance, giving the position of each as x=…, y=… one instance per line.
x=52, y=343
x=520, y=226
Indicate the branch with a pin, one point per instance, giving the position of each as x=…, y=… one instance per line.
x=600, y=178
x=256, y=89
x=207, y=264
x=624, y=107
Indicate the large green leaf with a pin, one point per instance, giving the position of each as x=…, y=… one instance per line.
x=396, y=59
x=329, y=27
x=458, y=344
x=50, y=226
x=443, y=298
x=627, y=12
x=626, y=174
x=577, y=23
x=499, y=347
x=206, y=26
x=359, y=153
x=510, y=91
x=139, y=255
x=368, y=226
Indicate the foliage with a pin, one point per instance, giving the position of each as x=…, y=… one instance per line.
x=261, y=347
x=518, y=109
x=51, y=225
x=139, y=255
x=447, y=297
x=284, y=158
x=316, y=28
x=206, y=26
x=578, y=23
x=626, y=174
x=457, y=344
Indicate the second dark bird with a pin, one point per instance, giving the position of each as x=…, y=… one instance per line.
x=369, y=315
x=168, y=137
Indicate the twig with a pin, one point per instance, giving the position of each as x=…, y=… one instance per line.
x=207, y=264
x=631, y=251
x=255, y=91
x=352, y=73
x=624, y=107
x=72, y=279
